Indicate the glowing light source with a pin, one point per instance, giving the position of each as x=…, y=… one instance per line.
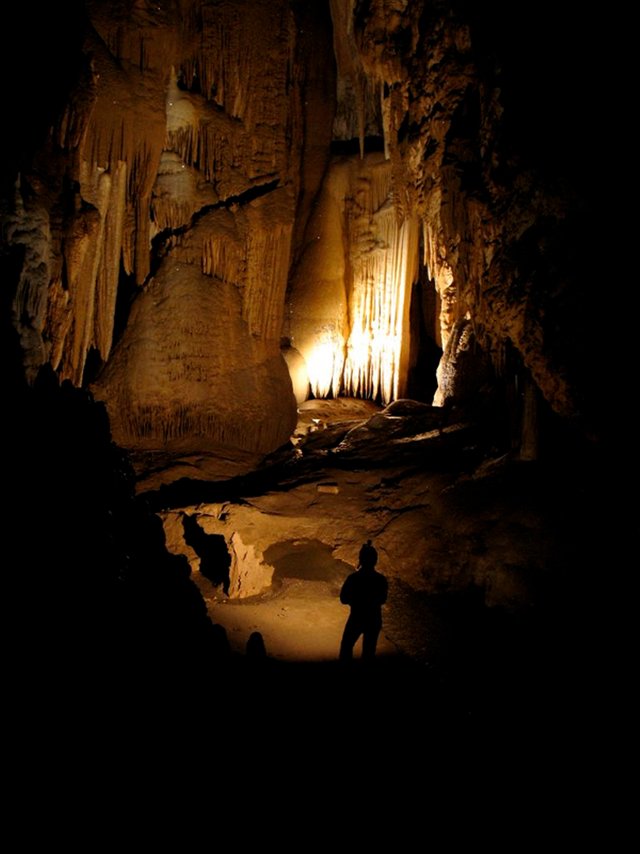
x=324, y=365
x=376, y=350
x=350, y=300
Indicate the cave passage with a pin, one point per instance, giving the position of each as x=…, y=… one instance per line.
x=309, y=560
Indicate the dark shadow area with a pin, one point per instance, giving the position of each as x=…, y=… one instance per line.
x=425, y=353
x=309, y=560
x=215, y=560
x=110, y=649
x=351, y=147
x=52, y=70
x=97, y=602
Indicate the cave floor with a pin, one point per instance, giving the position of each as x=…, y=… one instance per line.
x=492, y=564
x=302, y=620
x=464, y=540
x=440, y=656
x=473, y=692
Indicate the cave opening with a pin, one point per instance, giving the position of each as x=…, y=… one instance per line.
x=356, y=147
x=426, y=354
x=311, y=560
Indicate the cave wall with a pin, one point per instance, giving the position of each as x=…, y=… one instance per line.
x=165, y=194
x=496, y=213
x=177, y=210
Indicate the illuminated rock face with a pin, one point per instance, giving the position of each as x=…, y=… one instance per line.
x=249, y=573
x=181, y=380
x=184, y=213
x=494, y=214
x=182, y=143
x=350, y=293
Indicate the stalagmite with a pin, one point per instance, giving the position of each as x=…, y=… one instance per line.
x=381, y=279
x=181, y=380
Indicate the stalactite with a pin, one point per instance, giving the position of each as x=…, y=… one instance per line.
x=249, y=248
x=143, y=35
x=229, y=62
x=382, y=277
x=359, y=107
x=109, y=267
x=358, y=219
x=225, y=152
x=113, y=129
x=92, y=250
x=385, y=115
x=452, y=167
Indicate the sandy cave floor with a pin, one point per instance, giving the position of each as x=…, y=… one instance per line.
x=300, y=619
x=455, y=643
x=441, y=671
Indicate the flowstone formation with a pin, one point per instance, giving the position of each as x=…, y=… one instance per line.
x=351, y=292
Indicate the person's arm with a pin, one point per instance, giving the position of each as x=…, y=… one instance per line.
x=345, y=593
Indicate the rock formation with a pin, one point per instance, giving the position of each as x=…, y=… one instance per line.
x=209, y=179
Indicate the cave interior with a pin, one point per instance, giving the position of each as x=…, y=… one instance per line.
x=279, y=276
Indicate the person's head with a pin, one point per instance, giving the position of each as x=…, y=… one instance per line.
x=255, y=646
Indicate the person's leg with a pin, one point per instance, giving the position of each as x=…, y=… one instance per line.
x=370, y=641
x=349, y=637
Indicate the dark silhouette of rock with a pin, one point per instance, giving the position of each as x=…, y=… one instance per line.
x=98, y=596
x=219, y=642
x=215, y=560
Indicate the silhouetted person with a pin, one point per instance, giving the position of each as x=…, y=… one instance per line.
x=366, y=592
x=368, y=554
x=255, y=646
